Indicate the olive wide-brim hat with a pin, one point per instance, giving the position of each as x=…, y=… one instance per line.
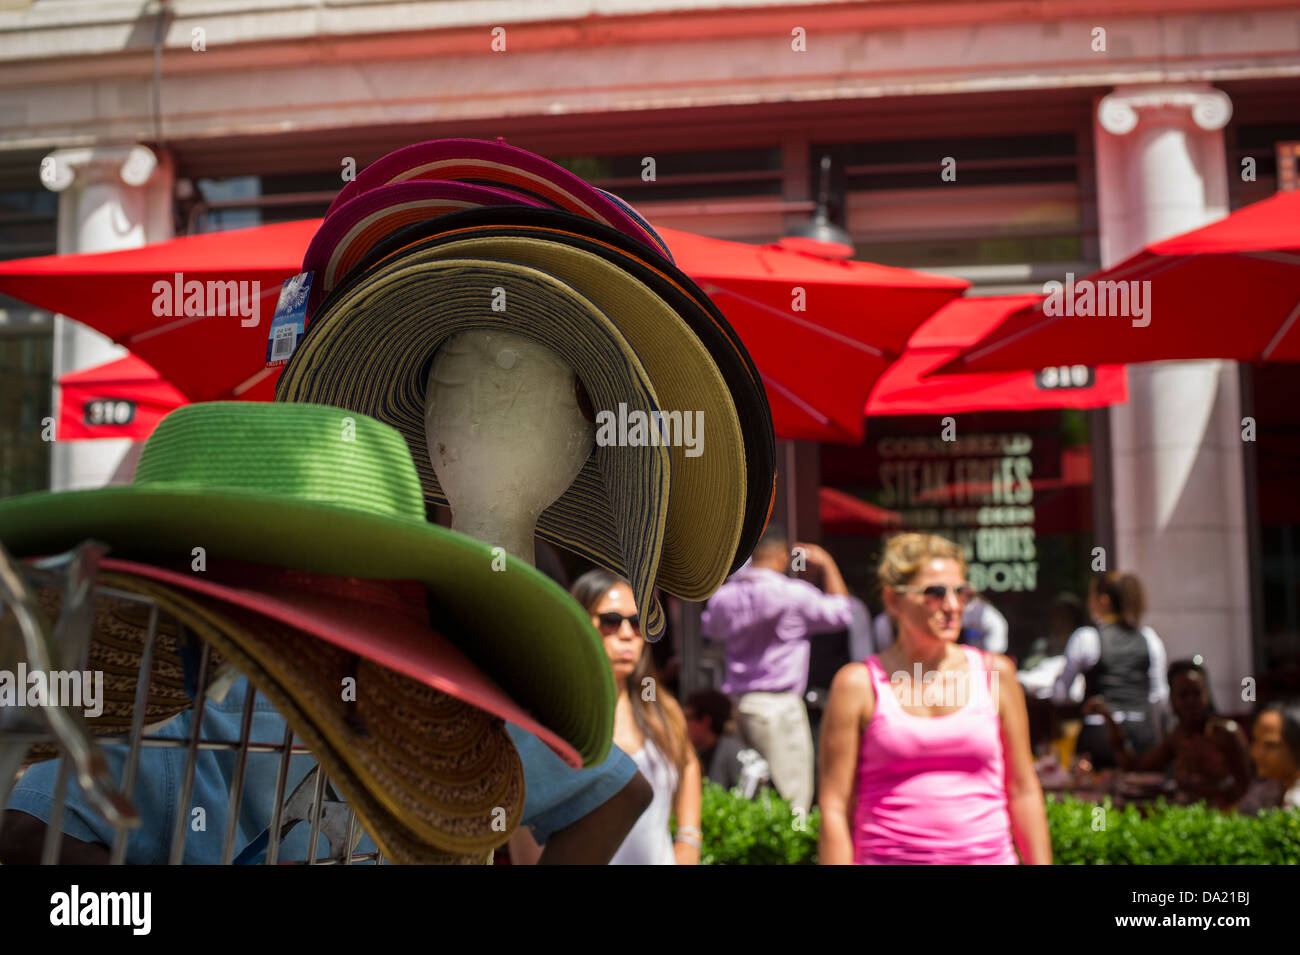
x=698, y=319
x=372, y=349
x=706, y=511
x=332, y=491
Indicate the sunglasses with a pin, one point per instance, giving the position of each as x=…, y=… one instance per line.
x=938, y=593
x=611, y=622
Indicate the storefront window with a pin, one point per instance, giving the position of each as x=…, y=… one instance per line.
x=1277, y=471
x=28, y=227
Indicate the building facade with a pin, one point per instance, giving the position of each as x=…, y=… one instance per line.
x=1002, y=142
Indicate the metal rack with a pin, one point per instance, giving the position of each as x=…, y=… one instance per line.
x=27, y=637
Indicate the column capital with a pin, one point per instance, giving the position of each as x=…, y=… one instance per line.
x=1119, y=111
x=130, y=165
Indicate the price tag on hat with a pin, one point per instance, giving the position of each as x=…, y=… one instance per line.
x=290, y=319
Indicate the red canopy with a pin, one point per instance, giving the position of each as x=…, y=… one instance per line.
x=1228, y=290
x=904, y=389
x=819, y=331
x=125, y=398
x=204, y=357
x=845, y=514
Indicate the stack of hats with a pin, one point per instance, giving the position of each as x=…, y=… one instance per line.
x=293, y=539
x=420, y=245
x=292, y=536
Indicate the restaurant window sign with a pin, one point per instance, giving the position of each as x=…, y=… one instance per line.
x=977, y=491
x=1013, y=489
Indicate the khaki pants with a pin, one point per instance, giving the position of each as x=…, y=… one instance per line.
x=776, y=724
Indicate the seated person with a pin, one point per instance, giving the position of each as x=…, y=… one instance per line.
x=708, y=722
x=1276, y=750
x=1209, y=754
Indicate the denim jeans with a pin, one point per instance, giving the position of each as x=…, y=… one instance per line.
x=158, y=781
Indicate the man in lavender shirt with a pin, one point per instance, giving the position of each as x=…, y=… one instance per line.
x=766, y=618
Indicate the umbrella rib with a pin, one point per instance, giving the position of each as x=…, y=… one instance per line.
x=247, y=383
x=1286, y=258
x=1281, y=333
x=997, y=346
x=794, y=399
x=712, y=289
x=163, y=329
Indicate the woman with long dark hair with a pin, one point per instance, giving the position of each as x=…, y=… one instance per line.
x=1276, y=749
x=649, y=726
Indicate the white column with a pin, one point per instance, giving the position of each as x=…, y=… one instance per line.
x=109, y=198
x=1179, y=502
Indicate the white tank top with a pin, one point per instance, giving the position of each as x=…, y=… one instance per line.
x=649, y=842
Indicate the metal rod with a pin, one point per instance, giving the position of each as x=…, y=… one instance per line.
x=316, y=812
x=281, y=783
x=187, y=782
x=237, y=779
x=118, y=855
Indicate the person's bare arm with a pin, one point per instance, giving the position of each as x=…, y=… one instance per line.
x=1024, y=794
x=848, y=708
x=1231, y=742
x=594, y=838
x=686, y=805
x=524, y=849
x=832, y=579
x=1157, y=757
x=22, y=838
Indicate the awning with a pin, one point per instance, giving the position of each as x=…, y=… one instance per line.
x=820, y=331
x=125, y=398
x=1228, y=290
x=904, y=390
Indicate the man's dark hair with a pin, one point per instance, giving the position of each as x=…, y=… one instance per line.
x=773, y=537
x=712, y=704
x=1180, y=667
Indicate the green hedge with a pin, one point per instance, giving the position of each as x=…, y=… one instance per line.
x=762, y=831
x=738, y=831
x=1088, y=834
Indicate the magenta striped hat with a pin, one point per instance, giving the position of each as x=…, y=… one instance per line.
x=496, y=165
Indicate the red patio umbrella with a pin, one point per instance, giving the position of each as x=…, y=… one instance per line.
x=123, y=398
x=820, y=331
x=904, y=389
x=1229, y=290
x=845, y=514
x=205, y=357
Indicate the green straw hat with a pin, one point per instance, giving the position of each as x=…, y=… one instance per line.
x=321, y=489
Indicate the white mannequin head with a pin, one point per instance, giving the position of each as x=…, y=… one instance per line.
x=506, y=434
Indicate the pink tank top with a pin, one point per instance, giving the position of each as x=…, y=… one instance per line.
x=931, y=790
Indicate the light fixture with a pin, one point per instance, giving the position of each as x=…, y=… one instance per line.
x=821, y=236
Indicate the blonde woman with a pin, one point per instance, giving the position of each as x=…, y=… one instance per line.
x=925, y=755
x=649, y=726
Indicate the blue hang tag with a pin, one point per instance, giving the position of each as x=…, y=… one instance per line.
x=289, y=321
